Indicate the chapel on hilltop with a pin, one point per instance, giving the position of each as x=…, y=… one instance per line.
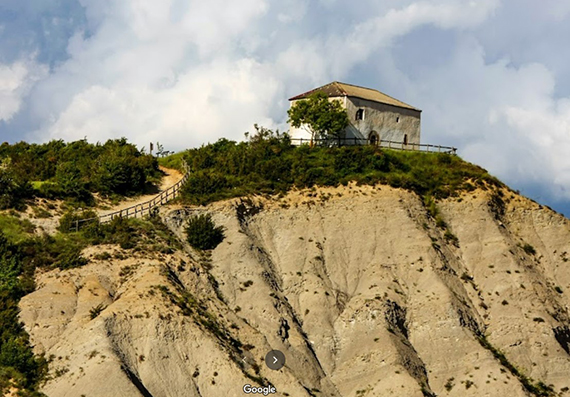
x=374, y=117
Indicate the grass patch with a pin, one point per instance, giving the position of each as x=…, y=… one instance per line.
x=172, y=161
x=270, y=164
x=15, y=229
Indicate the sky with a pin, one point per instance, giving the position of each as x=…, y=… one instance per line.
x=491, y=76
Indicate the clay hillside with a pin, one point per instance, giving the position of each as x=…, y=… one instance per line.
x=376, y=273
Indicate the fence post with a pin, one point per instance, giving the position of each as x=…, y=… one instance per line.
x=76, y=225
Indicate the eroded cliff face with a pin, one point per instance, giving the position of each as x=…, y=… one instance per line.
x=358, y=286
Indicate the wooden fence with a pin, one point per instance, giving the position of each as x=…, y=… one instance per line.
x=336, y=142
x=140, y=209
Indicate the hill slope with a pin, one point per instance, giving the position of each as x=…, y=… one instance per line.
x=365, y=291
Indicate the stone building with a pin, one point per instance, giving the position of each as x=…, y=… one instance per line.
x=374, y=117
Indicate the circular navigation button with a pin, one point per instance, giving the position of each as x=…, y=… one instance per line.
x=275, y=360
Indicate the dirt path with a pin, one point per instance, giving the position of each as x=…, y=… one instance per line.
x=170, y=178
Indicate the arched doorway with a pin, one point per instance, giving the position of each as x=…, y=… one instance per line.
x=373, y=138
x=405, y=139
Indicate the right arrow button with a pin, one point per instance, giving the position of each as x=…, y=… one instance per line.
x=275, y=360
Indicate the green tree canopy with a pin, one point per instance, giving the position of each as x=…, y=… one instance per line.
x=323, y=118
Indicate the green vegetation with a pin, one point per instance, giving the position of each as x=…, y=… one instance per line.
x=324, y=118
x=12, y=189
x=68, y=221
x=15, y=229
x=268, y=164
x=18, y=366
x=538, y=389
x=72, y=171
x=172, y=161
x=202, y=233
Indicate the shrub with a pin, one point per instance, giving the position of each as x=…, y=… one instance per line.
x=67, y=222
x=449, y=384
x=202, y=233
x=529, y=249
x=95, y=311
x=451, y=238
x=70, y=257
x=12, y=189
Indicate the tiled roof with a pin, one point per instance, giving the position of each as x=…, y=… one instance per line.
x=337, y=89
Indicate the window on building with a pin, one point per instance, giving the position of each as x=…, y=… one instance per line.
x=397, y=119
x=359, y=114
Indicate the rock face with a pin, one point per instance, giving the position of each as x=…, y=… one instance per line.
x=364, y=292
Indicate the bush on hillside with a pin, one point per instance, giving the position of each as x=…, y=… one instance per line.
x=17, y=362
x=268, y=163
x=12, y=189
x=202, y=233
x=68, y=223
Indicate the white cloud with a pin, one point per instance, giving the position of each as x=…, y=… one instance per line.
x=188, y=113
x=337, y=54
x=16, y=81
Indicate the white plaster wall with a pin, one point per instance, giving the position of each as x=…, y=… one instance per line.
x=390, y=122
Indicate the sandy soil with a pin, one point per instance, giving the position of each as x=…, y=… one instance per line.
x=357, y=285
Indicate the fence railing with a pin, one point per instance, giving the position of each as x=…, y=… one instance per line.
x=335, y=142
x=139, y=209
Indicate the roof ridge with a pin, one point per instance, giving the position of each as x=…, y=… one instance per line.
x=338, y=85
x=339, y=89
x=372, y=89
x=357, y=86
